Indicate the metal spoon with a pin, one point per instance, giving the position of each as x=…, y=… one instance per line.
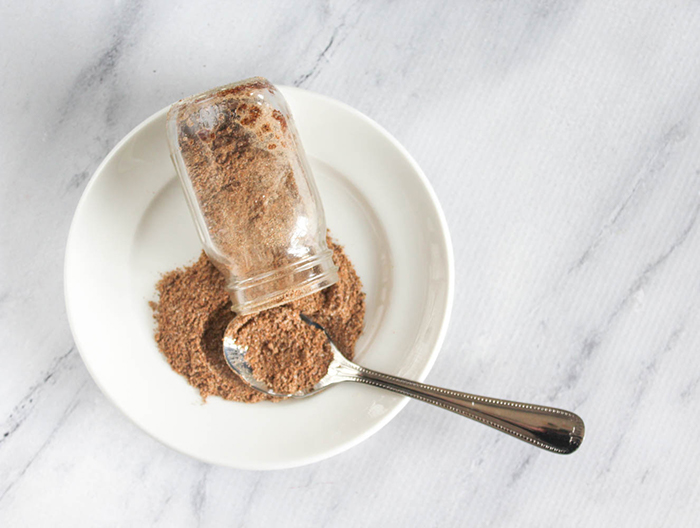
x=546, y=427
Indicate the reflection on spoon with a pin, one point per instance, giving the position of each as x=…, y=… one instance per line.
x=545, y=427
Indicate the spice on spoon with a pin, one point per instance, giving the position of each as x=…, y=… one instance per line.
x=284, y=352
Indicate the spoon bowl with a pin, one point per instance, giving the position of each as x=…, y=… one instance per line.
x=235, y=355
x=548, y=428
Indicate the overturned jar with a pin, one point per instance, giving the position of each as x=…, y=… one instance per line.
x=251, y=193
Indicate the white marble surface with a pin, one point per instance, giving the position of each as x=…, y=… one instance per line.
x=563, y=140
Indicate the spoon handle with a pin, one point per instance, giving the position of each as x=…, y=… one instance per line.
x=546, y=427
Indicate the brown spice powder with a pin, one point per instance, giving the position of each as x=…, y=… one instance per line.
x=296, y=358
x=194, y=310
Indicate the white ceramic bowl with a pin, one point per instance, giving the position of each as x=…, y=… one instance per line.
x=132, y=224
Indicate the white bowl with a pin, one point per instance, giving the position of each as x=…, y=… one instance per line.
x=132, y=224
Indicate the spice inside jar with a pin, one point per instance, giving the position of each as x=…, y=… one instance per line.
x=251, y=193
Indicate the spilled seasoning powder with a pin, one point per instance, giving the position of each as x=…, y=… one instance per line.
x=193, y=311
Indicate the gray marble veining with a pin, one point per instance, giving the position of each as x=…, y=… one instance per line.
x=562, y=140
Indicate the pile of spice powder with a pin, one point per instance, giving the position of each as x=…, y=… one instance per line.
x=193, y=311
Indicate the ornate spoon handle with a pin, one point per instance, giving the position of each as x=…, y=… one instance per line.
x=546, y=427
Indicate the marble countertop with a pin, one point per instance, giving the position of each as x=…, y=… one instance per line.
x=563, y=141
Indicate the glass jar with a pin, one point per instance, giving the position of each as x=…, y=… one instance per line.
x=251, y=193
